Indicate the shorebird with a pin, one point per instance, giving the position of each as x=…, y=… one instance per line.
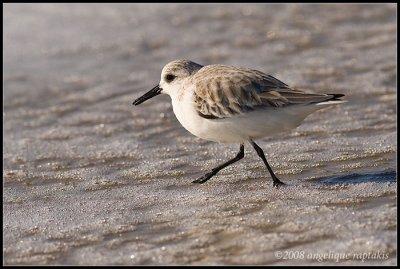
x=230, y=104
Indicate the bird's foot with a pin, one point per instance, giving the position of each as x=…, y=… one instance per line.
x=277, y=183
x=204, y=178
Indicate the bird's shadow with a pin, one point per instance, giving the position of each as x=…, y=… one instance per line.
x=356, y=178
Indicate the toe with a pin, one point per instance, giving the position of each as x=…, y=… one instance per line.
x=278, y=184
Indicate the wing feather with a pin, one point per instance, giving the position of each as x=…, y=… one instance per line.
x=225, y=91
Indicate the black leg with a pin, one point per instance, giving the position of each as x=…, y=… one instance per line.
x=215, y=170
x=260, y=153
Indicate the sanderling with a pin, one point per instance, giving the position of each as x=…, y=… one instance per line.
x=234, y=105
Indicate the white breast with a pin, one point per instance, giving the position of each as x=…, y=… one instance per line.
x=186, y=114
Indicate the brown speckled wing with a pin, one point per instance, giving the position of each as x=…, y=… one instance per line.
x=225, y=91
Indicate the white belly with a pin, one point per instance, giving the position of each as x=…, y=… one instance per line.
x=240, y=128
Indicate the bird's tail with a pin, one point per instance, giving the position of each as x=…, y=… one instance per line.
x=334, y=99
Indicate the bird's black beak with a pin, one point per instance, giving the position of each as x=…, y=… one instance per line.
x=153, y=92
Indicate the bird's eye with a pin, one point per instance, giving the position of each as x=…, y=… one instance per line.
x=169, y=77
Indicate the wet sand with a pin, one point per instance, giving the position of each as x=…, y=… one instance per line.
x=88, y=179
